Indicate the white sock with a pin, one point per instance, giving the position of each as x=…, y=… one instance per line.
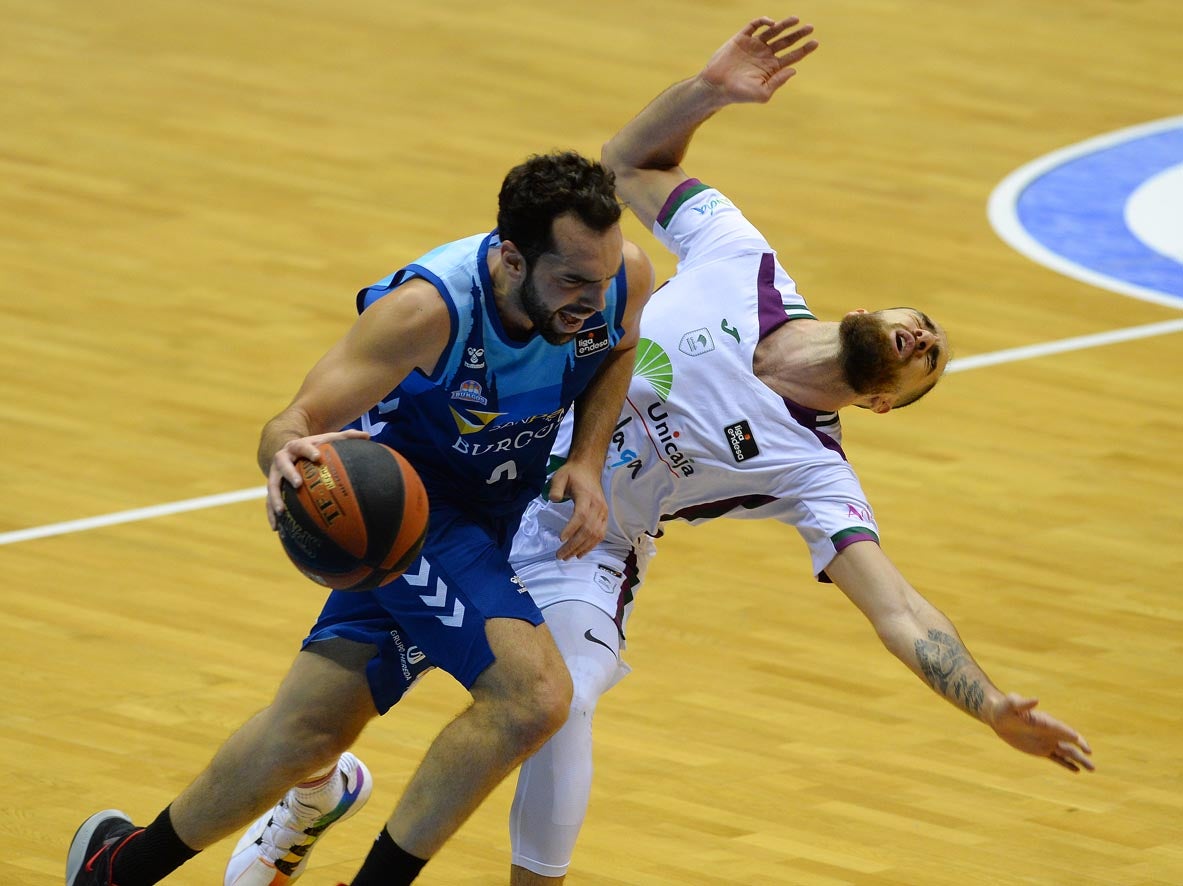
x=322, y=792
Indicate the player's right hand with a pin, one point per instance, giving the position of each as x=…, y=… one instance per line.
x=283, y=466
x=1021, y=726
x=756, y=62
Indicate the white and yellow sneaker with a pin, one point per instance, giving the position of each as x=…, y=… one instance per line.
x=274, y=850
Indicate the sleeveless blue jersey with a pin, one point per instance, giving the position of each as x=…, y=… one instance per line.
x=479, y=428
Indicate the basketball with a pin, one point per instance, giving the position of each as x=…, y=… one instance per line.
x=359, y=518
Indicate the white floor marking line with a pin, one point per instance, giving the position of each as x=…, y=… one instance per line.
x=176, y=507
x=1011, y=355
x=961, y=364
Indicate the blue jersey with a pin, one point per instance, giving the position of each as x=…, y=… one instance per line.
x=479, y=427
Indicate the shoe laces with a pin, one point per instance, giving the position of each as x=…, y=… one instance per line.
x=288, y=830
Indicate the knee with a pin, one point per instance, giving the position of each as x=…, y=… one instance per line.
x=525, y=694
x=537, y=710
x=549, y=705
x=590, y=678
x=302, y=741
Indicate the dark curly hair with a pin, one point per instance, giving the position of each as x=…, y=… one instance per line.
x=546, y=186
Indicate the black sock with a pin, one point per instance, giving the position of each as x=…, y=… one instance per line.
x=151, y=855
x=387, y=864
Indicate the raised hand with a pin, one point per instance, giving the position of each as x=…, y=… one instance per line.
x=1016, y=722
x=758, y=61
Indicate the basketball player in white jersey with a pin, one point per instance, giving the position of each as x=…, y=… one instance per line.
x=731, y=412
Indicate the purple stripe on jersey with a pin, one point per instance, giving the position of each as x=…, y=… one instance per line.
x=807, y=418
x=677, y=197
x=772, y=315
x=712, y=509
x=772, y=306
x=847, y=537
x=626, y=588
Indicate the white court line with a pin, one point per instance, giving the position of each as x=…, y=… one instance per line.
x=1011, y=355
x=961, y=364
x=176, y=507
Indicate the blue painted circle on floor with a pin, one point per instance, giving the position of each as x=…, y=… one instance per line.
x=1071, y=210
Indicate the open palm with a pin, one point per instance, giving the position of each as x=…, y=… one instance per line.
x=756, y=62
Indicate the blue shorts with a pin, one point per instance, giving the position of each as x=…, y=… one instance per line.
x=434, y=614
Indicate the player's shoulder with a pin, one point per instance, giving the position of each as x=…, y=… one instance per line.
x=638, y=269
x=705, y=221
x=413, y=320
x=416, y=295
x=413, y=307
x=694, y=200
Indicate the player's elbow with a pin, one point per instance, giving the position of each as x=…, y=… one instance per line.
x=898, y=630
x=610, y=156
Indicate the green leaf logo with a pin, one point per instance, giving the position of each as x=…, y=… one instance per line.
x=653, y=365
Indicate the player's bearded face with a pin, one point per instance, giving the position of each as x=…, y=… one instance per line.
x=545, y=320
x=869, y=358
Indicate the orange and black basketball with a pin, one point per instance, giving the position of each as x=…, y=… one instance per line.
x=358, y=519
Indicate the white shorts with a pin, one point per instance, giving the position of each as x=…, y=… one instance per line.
x=607, y=577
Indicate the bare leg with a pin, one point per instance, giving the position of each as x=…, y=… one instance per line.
x=321, y=707
x=518, y=703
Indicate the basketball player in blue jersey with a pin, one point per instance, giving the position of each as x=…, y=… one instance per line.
x=732, y=412
x=465, y=361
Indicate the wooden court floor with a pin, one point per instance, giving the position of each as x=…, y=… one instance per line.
x=190, y=194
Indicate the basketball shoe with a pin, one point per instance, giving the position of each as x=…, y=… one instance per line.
x=274, y=850
x=94, y=847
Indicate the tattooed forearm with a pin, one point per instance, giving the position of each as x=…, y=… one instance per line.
x=948, y=668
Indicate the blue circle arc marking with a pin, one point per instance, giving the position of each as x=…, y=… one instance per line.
x=1068, y=210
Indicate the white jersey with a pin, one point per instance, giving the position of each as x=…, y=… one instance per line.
x=700, y=436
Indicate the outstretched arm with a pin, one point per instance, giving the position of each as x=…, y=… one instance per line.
x=925, y=640
x=750, y=67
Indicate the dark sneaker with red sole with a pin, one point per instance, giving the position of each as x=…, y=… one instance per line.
x=94, y=847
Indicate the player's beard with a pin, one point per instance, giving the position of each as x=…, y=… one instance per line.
x=870, y=361
x=544, y=320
